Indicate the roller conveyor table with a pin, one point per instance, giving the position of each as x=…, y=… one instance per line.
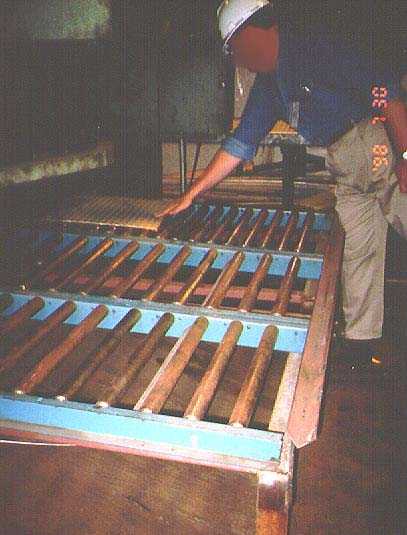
x=131, y=341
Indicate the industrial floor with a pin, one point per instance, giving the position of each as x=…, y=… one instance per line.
x=351, y=481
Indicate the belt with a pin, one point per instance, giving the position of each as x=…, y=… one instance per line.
x=337, y=136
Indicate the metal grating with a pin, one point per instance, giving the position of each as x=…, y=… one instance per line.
x=110, y=211
x=164, y=321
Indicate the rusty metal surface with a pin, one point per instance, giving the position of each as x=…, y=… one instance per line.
x=205, y=392
x=108, y=345
x=113, y=212
x=253, y=288
x=50, y=361
x=21, y=316
x=305, y=413
x=246, y=401
x=237, y=278
x=19, y=349
x=161, y=386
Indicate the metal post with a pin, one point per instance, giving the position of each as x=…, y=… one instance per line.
x=182, y=164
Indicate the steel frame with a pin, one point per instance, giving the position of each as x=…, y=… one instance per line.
x=268, y=454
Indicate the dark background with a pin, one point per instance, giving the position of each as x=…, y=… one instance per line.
x=58, y=95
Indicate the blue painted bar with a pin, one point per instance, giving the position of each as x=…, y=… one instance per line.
x=311, y=264
x=291, y=337
x=131, y=426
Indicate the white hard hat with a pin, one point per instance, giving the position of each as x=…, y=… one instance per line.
x=233, y=13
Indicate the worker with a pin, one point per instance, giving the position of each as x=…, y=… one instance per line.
x=344, y=104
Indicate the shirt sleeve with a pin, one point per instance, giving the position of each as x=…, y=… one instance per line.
x=263, y=108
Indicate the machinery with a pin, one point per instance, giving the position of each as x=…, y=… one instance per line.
x=204, y=342
x=201, y=344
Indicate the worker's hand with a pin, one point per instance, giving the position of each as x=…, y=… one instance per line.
x=176, y=207
x=401, y=172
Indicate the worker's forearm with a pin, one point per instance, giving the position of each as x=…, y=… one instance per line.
x=221, y=165
x=396, y=120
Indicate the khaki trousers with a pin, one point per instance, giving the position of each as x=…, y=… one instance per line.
x=367, y=201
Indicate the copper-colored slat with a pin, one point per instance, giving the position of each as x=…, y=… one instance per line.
x=138, y=271
x=208, y=226
x=252, y=291
x=168, y=274
x=5, y=301
x=206, y=390
x=60, y=259
x=93, y=255
x=227, y=221
x=251, y=237
x=109, y=344
x=236, y=236
x=116, y=262
x=141, y=355
x=311, y=286
x=223, y=282
x=306, y=228
x=275, y=223
x=285, y=395
x=196, y=276
x=246, y=401
x=163, y=383
x=289, y=231
x=17, y=351
x=280, y=308
x=304, y=416
x=21, y=315
x=51, y=359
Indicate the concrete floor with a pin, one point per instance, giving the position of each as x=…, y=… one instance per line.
x=351, y=481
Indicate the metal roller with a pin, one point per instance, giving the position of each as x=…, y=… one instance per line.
x=194, y=222
x=62, y=257
x=227, y=221
x=138, y=271
x=168, y=274
x=220, y=288
x=199, y=272
x=117, y=261
x=96, y=253
x=19, y=350
x=171, y=370
x=21, y=315
x=236, y=236
x=252, y=291
x=306, y=229
x=143, y=352
x=51, y=359
x=252, y=235
x=283, y=299
x=208, y=226
x=289, y=231
x=106, y=348
x=272, y=229
x=206, y=390
x=247, y=399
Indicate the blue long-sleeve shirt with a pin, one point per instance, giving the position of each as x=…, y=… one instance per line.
x=331, y=82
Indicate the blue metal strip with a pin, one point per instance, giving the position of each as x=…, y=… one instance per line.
x=122, y=424
x=291, y=337
x=311, y=264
